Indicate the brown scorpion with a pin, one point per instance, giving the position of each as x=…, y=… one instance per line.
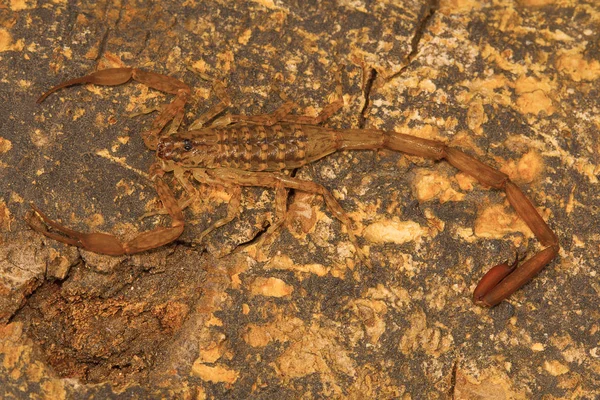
x=257, y=150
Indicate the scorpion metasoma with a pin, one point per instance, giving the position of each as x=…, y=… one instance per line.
x=241, y=150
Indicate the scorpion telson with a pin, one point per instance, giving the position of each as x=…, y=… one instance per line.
x=256, y=150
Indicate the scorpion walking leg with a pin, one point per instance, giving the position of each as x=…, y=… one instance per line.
x=117, y=76
x=274, y=180
x=220, y=90
x=281, y=196
x=108, y=244
x=501, y=281
x=262, y=119
x=282, y=114
x=326, y=112
x=233, y=207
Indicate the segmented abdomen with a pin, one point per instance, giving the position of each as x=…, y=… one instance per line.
x=271, y=148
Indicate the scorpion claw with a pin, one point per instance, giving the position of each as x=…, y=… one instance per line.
x=491, y=279
x=97, y=242
x=106, y=77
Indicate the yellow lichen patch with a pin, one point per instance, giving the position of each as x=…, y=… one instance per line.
x=19, y=5
x=555, y=368
x=435, y=340
x=534, y=103
x=5, y=218
x=495, y=222
x=53, y=389
x=428, y=185
x=25, y=84
x=281, y=330
x=126, y=187
x=465, y=182
x=95, y=220
x=490, y=88
x=372, y=313
x=537, y=346
x=527, y=169
x=35, y=371
x=215, y=373
x=459, y=6
x=572, y=202
x=18, y=359
x=38, y=138
x=537, y=3
x=573, y=63
x=269, y=4
x=285, y=263
x=490, y=53
x=528, y=84
x=425, y=131
x=5, y=145
x=492, y=384
x=271, y=287
x=316, y=351
x=245, y=309
x=308, y=350
x=6, y=42
x=393, y=231
x=434, y=222
x=301, y=215
x=245, y=36
x=13, y=354
x=586, y=168
x=212, y=351
x=476, y=116
x=427, y=85
x=200, y=67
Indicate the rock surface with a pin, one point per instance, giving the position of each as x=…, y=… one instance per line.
x=514, y=83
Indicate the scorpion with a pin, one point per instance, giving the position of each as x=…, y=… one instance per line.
x=260, y=151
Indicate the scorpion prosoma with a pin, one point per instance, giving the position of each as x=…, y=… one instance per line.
x=257, y=150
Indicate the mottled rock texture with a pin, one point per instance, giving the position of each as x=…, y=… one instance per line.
x=514, y=83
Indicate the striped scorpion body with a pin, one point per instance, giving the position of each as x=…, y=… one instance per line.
x=242, y=150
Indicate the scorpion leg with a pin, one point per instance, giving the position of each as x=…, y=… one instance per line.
x=281, y=197
x=262, y=119
x=117, y=76
x=220, y=90
x=282, y=114
x=326, y=112
x=233, y=206
x=103, y=243
x=275, y=180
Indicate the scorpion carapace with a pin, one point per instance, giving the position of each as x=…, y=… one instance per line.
x=256, y=151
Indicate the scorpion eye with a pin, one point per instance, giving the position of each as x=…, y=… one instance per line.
x=187, y=145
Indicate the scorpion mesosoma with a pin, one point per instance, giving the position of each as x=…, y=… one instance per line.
x=257, y=150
